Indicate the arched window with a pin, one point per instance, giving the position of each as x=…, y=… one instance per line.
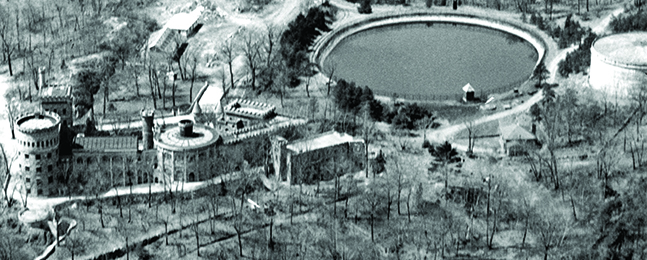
x=79, y=160
x=156, y=180
x=191, y=177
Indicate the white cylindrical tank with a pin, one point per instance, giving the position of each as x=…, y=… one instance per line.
x=619, y=64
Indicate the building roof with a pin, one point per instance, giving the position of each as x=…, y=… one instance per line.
x=316, y=142
x=108, y=143
x=248, y=108
x=56, y=91
x=38, y=121
x=628, y=48
x=184, y=21
x=468, y=88
x=515, y=132
x=172, y=140
x=157, y=39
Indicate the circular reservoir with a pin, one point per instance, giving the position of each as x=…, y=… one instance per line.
x=432, y=60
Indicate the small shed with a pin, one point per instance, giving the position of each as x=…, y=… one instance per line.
x=469, y=92
x=515, y=140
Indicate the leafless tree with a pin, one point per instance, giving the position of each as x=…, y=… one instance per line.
x=228, y=52
x=6, y=175
x=8, y=41
x=251, y=51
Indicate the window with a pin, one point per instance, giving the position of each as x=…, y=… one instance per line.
x=39, y=182
x=38, y=169
x=50, y=179
x=27, y=180
x=26, y=156
x=55, y=111
x=28, y=190
x=49, y=155
x=49, y=168
x=26, y=168
x=38, y=157
x=79, y=160
x=64, y=111
x=40, y=191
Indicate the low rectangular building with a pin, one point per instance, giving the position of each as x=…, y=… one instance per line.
x=317, y=158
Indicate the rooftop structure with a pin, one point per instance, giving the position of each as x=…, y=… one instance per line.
x=108, y=143
x=38, y=121
x=55, y=93
x=159, y=40
x=515, y=132
x=186, y=136
x=249, y=109
x=320, y=141
x=184, y=21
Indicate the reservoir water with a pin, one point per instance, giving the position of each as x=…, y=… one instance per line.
x=432, y=59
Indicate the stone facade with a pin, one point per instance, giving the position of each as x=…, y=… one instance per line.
x=316, y=158
x=187, y=152
x=37, y=139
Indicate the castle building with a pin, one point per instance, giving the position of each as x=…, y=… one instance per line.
x=185, y=152
x=316, y=158
x=197, y=148
x=37, y=139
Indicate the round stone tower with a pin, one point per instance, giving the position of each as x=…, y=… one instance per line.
x=37, y=139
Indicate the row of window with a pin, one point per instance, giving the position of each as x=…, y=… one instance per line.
x=39, y=169
x=50, y=180
x=37, y=156
x=47, y=143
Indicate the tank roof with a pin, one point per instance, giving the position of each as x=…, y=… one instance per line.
x=628, y=48
x=37, y=121
x=203, y=136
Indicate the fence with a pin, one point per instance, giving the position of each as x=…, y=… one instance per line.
x=483, y=94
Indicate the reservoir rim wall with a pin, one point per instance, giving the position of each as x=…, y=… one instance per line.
x=324, y=46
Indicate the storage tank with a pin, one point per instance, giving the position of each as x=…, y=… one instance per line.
x=619, y=64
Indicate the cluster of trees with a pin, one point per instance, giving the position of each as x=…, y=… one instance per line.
x=355, y=100
x=627, y=22
x=578, y=60
x=295, y=42
x=572, y=32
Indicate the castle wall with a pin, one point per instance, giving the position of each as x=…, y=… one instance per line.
x=118, y=168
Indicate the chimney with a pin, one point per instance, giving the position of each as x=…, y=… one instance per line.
x=147, y=128
x=186, y=128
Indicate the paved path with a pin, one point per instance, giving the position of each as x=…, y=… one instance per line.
x=446, y=133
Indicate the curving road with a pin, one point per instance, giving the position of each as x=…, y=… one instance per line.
x=445, y=133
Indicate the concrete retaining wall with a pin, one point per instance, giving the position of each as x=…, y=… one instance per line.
x=329, y=41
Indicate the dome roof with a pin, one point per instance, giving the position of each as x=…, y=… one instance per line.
x=628, y=48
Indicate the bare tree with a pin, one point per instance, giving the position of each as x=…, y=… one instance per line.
x=192, y=62
x=8, y=44
x=228, y=52
x=6, y=175
x=251, y=51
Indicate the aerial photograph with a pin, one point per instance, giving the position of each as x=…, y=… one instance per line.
x=323, y=129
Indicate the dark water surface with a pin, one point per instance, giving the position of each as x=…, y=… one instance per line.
x=433, y=59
